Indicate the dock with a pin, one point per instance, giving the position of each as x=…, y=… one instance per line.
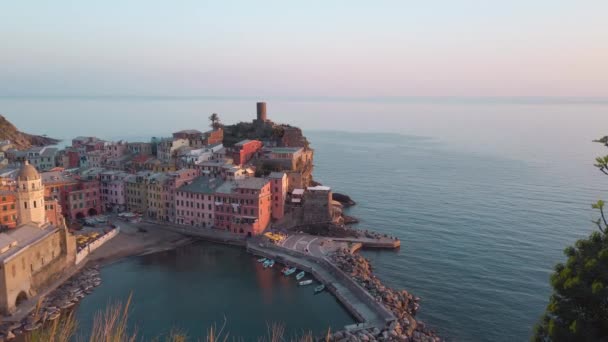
x=379, y=243
x=359, y=303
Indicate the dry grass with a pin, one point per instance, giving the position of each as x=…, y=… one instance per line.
x=111, y=325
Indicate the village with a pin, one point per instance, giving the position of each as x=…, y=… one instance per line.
x=248, y=184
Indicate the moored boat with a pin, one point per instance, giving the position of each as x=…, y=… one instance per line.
x=305, y=282
x=290, y=271
x=271, y=265
x=266, y=263
x=301, y=275
x=320, y=288
x=262, y=260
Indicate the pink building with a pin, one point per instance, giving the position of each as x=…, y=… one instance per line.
x=112, y=187
x=116, y=149
x=194, y=202
x=174, y=181
x=243, y=206
x=279, y=186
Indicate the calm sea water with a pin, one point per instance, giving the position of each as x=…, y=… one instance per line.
x=484, y=195
x=204, y=285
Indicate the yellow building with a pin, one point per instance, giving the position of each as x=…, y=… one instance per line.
x=35, y=253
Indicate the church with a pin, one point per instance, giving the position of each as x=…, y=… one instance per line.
x=38, y=251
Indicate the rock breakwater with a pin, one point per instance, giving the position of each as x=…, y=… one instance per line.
x=401, y=303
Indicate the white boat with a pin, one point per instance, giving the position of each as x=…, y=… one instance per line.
x=271, y=265
x=290, y=271
x=262, y=260
x=301, y=275
x=266, y=263
x=319, y=288
x=305, y=282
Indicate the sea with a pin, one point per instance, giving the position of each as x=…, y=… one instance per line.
x=484, y=193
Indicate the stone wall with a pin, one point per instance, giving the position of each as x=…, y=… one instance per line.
x=80, y=256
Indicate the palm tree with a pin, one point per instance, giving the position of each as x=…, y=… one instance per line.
x=215, y=121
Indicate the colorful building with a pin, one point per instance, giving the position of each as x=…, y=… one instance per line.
x=194, y=202
x=112, y=187
x=279, y=187
x=243, y=151
x=8, y=209
x=136, y=192
x=243, y=206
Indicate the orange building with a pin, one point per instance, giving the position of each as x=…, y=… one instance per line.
x=8, y=209
x=53, y=212
x=243, y=206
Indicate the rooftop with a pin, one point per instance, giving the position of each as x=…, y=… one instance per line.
x=18, y=239
x=202, y=185
x=248, y=183
x=243, y=142
x=189, y=131
x=319, y=188
x=276, y=175
x=53, y=177
x=284, y=149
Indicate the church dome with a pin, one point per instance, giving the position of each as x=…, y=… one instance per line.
x=27, y=172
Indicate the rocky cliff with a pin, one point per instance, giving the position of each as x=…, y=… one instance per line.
x=21, y=140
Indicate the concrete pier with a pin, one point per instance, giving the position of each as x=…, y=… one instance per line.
x=353, y=297
x=386, y=243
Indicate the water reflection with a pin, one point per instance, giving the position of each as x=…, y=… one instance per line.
x=202, y=284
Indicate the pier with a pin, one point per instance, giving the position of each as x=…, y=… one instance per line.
x=360, y=304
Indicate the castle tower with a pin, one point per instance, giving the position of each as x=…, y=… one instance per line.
x=261, y=112
x=30, y=196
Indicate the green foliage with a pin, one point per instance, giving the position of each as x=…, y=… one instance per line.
x=602, y=164
x=578, y=307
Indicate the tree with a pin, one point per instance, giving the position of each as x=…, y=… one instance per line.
x=578, y=307
x=215, y=121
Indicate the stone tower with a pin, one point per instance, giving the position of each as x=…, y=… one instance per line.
x=30, y=196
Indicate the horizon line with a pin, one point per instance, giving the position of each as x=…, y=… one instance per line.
x=449, y=99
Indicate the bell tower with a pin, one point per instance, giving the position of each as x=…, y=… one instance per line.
x=30, y=196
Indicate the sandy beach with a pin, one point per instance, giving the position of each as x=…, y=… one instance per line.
x=130, y=241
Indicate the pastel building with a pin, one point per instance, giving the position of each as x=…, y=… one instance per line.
x=243, y=206
x=112, y=187
x=243, y=151
x=195, y=202
x=35, y=253
x=42, y=158
x=8, y=209
x=136, y=191
x=279, y=187
x=161, y=193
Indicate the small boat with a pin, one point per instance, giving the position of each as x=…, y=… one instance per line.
x=262, y=260
x=290, y=271
x=305, y=282
x=266, y=263
x=271, y=265
x=319, y=288
x=301, y=275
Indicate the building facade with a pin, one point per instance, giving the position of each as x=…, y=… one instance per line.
x=194, y=202
x=35, y=253
x=243, y=206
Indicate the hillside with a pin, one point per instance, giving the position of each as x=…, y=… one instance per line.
x=21, y=140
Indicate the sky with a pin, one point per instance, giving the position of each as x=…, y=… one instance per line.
x=296, y=49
